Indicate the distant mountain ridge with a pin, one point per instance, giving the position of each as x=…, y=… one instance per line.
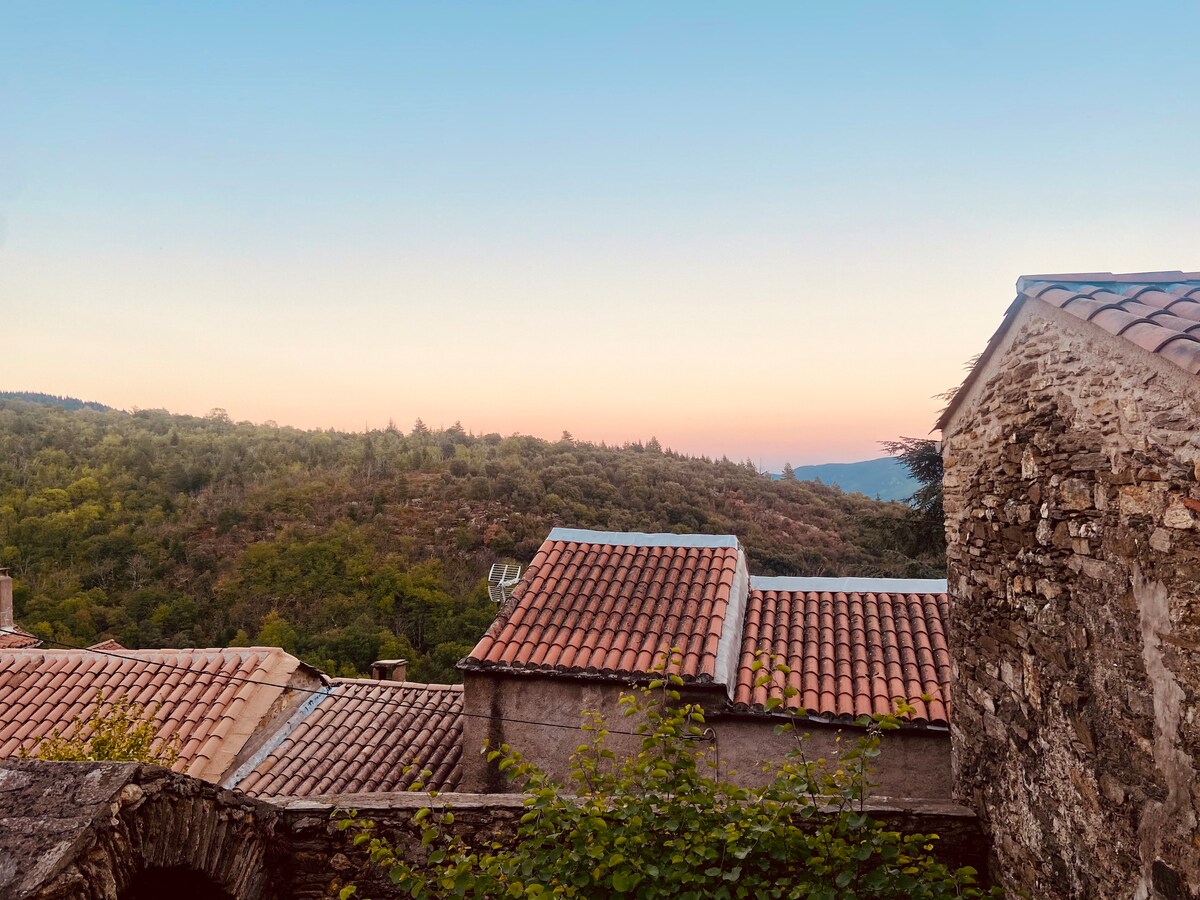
x=70, y=403
x=884, y=478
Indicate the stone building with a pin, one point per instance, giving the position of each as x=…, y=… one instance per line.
x=595, y=611
x=1072, y=459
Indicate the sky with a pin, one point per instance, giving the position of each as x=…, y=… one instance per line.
x=773, y=231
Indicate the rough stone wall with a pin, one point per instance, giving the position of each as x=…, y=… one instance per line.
x=86, y=831
x=322, y=855
x=92, y=831
x=1071, y=500
x=506, y=709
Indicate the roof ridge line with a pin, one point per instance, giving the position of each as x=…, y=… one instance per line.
x=422, y=685
x=1161, y=277
x=280, y=734
x=850, y=585
x=642, y=539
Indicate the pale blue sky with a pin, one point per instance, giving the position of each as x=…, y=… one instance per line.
x=767, y=230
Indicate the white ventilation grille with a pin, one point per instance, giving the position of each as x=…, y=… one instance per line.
x=502, y=579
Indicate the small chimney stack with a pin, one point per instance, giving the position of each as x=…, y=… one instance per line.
x=389, y=669
x=6, y=603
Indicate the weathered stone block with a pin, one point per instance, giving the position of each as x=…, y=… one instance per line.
x=1178, y=515
x=1075, y=493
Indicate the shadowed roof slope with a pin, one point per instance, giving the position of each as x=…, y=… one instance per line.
x=108, y=645
x=608, y=603
x=198, y=697
x=16, y=638
x=360, y=736
x=853, y=645
x=1156, y=311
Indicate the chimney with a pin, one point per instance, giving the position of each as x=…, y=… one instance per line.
x=6, y=607
x=389, y=669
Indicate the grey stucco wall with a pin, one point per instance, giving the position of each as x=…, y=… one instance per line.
x=913, y=763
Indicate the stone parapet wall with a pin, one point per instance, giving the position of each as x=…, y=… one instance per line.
x=321, y=855
x=124, y=831
x=1072, y=507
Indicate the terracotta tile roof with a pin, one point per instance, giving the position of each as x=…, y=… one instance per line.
x=211, y=715
x=362, y=736
x=16, y=638
x=852, y=644
x=110, y=644
x=1157, y=311
x=607, y=603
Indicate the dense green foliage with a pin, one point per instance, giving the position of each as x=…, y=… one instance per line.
x=922, y=457
x=657, y=824
x=166, y=530
x=121, y=731
x=54, y=400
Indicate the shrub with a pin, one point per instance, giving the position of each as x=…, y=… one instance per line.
x=658, y=824
x=124, y=732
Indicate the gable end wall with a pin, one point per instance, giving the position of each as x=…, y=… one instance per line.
x=1072, y=523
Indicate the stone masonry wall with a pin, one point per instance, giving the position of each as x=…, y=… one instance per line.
x=92, y=831
x=1072, y=500
x=86, y=831
x=320, y=855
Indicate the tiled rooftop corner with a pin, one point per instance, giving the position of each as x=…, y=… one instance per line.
x=852, y=646
x=361, y=736
x=210, y=702
x=604, y=603
x=15, y=639
x=1155, y=312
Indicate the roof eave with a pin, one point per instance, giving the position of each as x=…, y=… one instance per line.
x=1109, y=277
x=981, y=364
x=479, y=668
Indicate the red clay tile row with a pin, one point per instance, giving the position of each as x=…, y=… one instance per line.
x=193, y=698
x=16, y=639
x=850, y=654
x=367, y=736
x=1156, y=311
x=612, y=609
x=1163, y=318
x=109, y=645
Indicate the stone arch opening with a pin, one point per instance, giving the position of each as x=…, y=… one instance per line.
x=176, y=882
x=105, y=830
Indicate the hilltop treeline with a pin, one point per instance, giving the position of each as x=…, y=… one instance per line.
x=168, y=530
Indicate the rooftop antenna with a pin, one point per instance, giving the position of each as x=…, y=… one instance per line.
x=502, y=579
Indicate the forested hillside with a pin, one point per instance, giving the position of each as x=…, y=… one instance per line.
x=166, y=530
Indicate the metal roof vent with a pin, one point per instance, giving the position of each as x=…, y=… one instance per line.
x=502, y=579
